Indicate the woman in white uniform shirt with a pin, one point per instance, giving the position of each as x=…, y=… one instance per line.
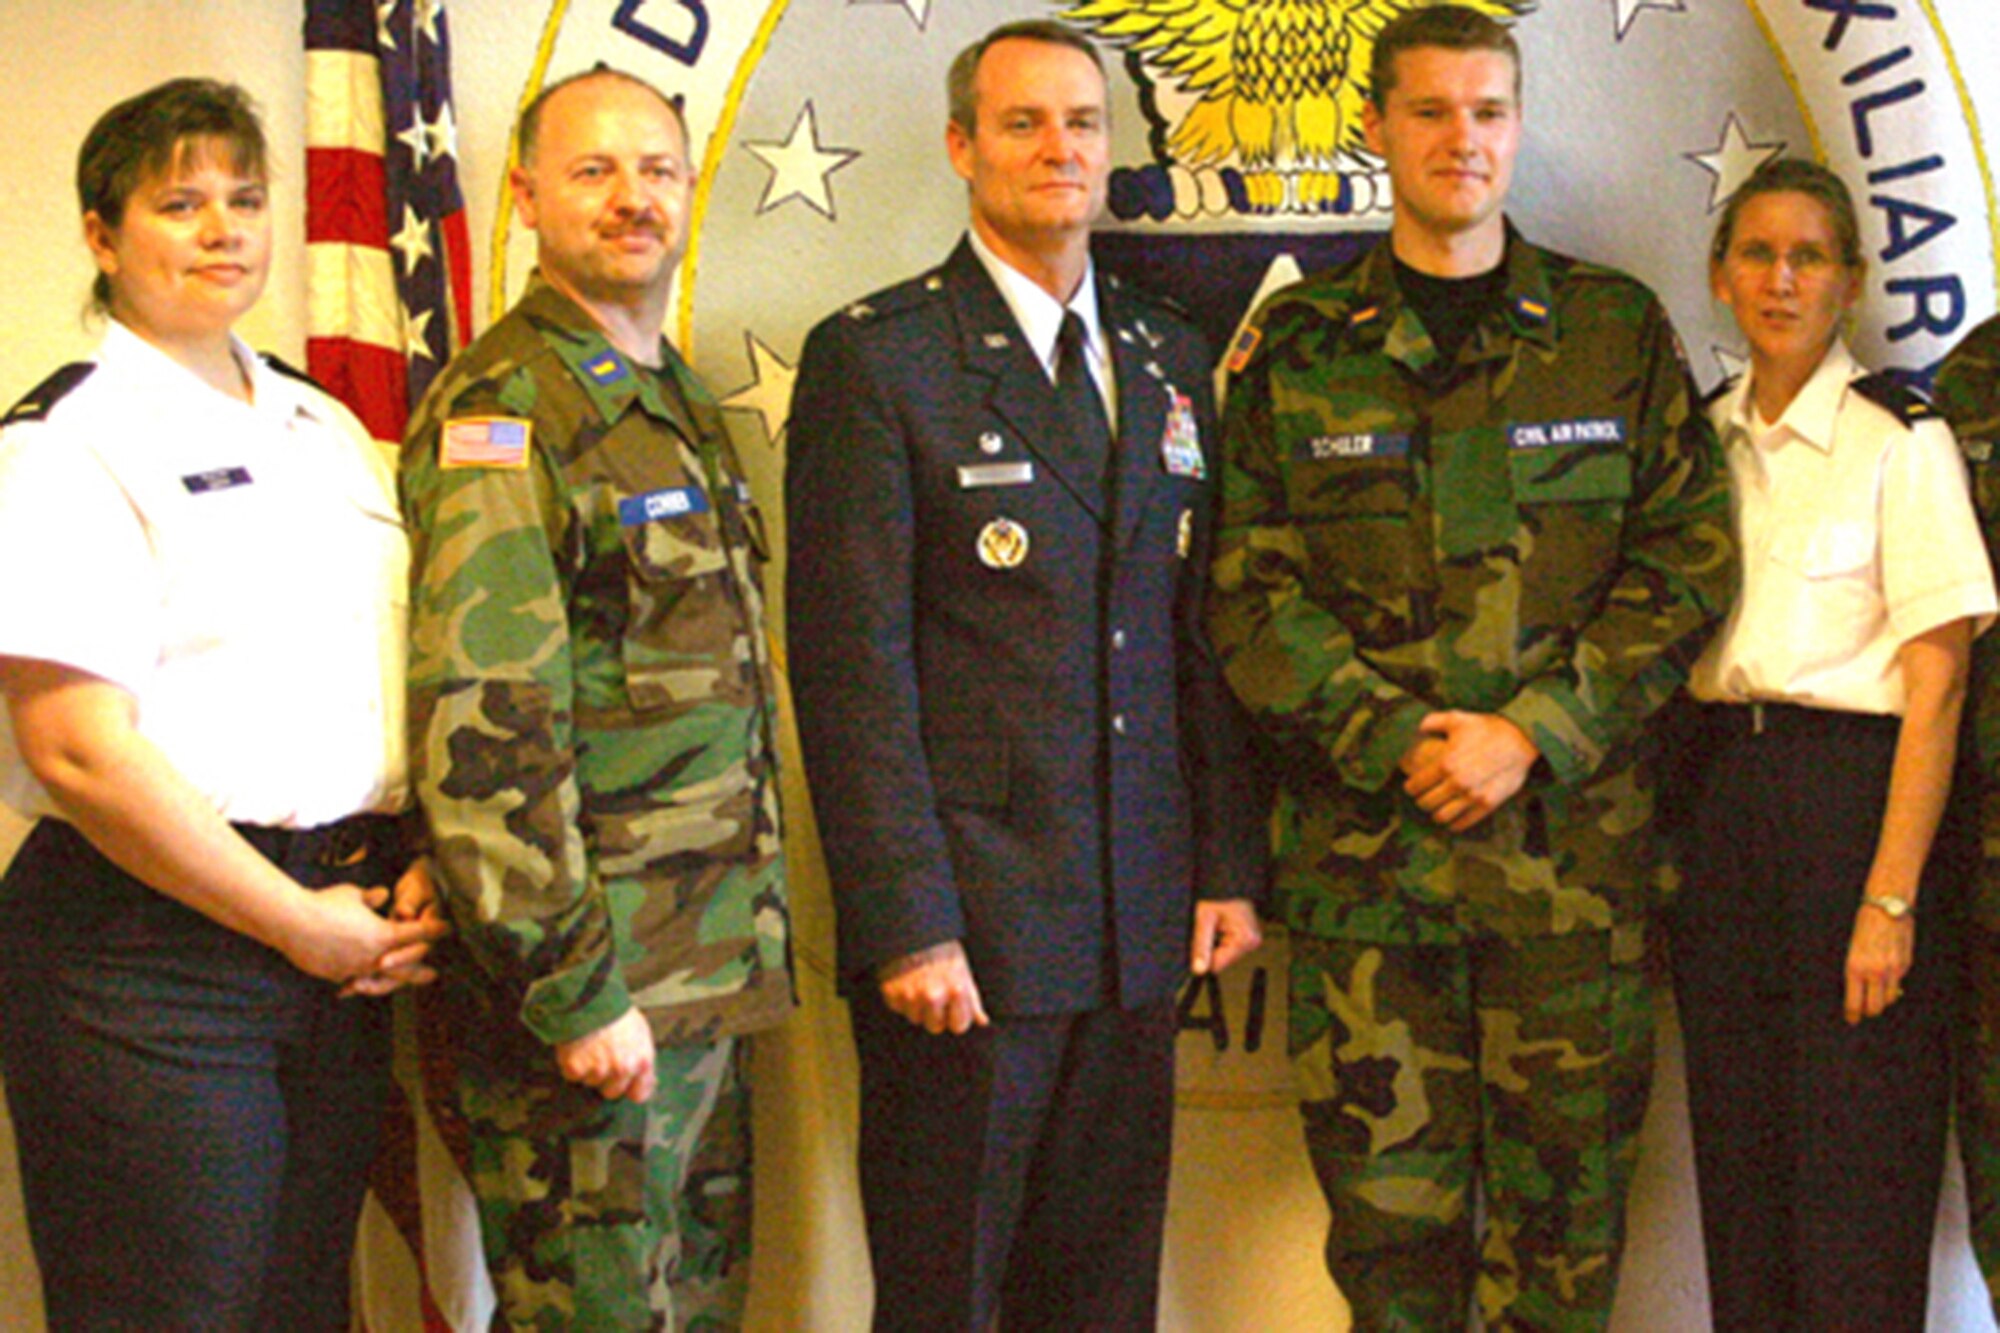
x=1813, y=946
x=201, y=652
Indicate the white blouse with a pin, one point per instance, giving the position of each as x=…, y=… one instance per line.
x=1857, y=535
x=240, y=569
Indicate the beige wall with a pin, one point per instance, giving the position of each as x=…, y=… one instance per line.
x=1244, y=1232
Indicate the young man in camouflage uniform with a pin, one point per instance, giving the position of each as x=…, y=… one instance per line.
x=1474, y=531
x=1968, y=394
x=591, y=704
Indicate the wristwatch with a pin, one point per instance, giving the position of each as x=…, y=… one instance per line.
x=1889, y=905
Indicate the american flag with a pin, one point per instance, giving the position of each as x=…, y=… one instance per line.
x=390, y=296
x=388, y=302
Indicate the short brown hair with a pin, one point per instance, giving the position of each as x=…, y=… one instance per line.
x=961, y=97
x=154, y=133
x=1451, y=27
x=1794, y=175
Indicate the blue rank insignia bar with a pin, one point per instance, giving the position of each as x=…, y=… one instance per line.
x=606, y=369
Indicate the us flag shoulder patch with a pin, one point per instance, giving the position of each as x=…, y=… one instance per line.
x=1246, y=343
x=485, y=442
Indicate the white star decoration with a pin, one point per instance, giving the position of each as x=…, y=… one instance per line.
x=412, y=241
x=769, y=392
x=429, y=141
x=1733, y=160
x=416, y=336
x=1629, y=10
x=441, y=135
x=918, y=10
x=799, y=166
x=385, y=37
x=428, y=14
x=414, y=137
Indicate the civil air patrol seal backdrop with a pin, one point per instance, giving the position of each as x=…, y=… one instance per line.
x=1238, y=164
x=817, y=127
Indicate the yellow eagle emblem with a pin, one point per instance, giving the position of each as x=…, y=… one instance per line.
x=1279, y=83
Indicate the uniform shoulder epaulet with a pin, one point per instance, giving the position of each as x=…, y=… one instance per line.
x=1604, y=281
x=1144, y=295
x=912, y=294
x=1342, y=294
x=291, y=372
x=1901, y=400
x=36, y=404
x=1563, y=267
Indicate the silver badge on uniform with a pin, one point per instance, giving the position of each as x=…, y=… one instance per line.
x=995, y=341
x=976, y=476
x=1003, y=544
x=991, y=443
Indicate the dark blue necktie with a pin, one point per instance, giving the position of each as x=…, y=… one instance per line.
x=1086, y=429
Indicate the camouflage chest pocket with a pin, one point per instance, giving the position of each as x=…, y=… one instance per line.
x=1358, y=474
x=1571, y=481
x=1351, y=497
x=680, y=635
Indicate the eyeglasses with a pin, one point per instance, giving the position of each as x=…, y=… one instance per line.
x=1805, y=261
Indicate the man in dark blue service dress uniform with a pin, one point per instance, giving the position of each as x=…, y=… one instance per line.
x=1028, y=775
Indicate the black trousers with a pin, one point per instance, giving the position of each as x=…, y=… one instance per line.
x=1819, y=1146
x=195, y=1117
x=1019, y=1170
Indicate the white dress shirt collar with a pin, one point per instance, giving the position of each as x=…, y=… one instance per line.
x=1811, y=414
x=1040, y=315
x=162, y=378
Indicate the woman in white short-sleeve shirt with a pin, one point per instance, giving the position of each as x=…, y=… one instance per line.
x=201, y=654
x=1813, y=954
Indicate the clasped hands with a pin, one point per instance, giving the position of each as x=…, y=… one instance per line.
x=1464, y=766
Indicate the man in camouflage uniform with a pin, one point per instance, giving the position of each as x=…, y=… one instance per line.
x=1968, y=394
x=1474, y=531
x=591, y=704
